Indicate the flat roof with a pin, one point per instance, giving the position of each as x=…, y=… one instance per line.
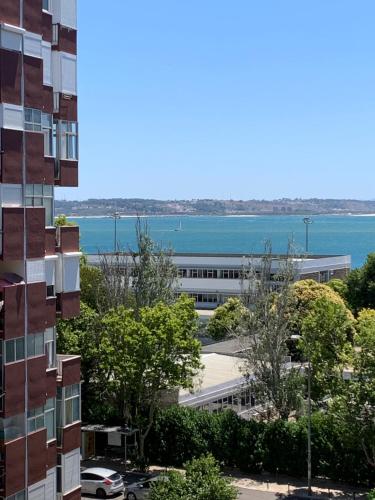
x=275, y=256
x=221, y=374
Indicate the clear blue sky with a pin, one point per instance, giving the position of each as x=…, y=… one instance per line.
x=226, y=98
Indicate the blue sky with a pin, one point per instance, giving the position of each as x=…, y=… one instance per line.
x=226, y=99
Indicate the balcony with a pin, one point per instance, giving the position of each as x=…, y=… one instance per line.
x=68, y=239
x=68, y=369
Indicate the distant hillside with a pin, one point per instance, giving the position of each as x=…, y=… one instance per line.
x=212, y=207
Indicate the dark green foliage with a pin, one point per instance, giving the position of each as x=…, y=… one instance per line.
x=181, y=434
x=361, y=285
x=202, y=481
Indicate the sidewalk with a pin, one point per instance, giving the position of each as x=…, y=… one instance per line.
x=278, y=484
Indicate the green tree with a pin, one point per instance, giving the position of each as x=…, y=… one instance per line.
x=226, y=319
x=81, y=336
x=141, y=278
x=361, y=285
x=264, y=335
x=202, y=481
x=303, y=295
x=145, y=356
x=340, y=287
x=91, y=281
x=62, y=220
x=327, y=335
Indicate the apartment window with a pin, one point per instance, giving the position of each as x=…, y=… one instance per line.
x=68, y=140
x=36, y=121
x=50, y=347
x=40, y=195
x=35, y=419
x=194, y=273
x=35, y=344
x=12, y=427
x=50, y=418
x=68, y=405
x=46, y=5
x=14, y=350
x=33, y=120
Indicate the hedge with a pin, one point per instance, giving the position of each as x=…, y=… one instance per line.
x=180, y=434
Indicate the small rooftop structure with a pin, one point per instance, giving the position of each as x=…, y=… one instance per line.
x=231, y=347
x=220, y=378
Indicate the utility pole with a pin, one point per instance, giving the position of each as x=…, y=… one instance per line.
x=307, y=221
x=116, y=216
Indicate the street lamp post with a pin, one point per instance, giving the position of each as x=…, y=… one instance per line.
x=115, y=216
x=309, y=475
x=307, y=221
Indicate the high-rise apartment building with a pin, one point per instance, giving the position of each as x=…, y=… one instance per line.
x=39, y=265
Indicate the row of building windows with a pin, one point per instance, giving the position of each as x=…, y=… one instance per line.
x=37, y=345
x=60, y=136
x=54, y=416
x=210, y=273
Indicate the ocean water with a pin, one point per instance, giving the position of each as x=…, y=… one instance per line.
x=328, y=234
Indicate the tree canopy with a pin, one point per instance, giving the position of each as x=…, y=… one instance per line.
x=202, y=481
x=226, y=319
x=361, y=285
x=142, y=356
x=327, y=335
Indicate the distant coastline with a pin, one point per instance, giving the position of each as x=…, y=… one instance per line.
x=229, y=208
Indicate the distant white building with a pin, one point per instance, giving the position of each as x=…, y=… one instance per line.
x=212, y=278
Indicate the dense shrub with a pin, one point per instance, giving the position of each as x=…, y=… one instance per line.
x=181, y=434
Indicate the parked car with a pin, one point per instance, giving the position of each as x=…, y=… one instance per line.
x=101, y=482
x=141, y=490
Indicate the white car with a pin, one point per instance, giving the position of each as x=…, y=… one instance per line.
x=141, y=490
x=101, y=482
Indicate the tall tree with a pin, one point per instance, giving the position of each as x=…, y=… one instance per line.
x=154, y=276
x=144, y=356
x=327, y=336
x=265, y=333
x=141, y=278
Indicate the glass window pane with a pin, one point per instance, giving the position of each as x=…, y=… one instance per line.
x=20, y=348
x=68, y=411
x=75, y=409
x=46, y=120
x=9, y=351
x=37, y=116
x=49, y=334
x=38, y=202
x=47, y=190
x=31, y=425
x=75, y=389
x=29, y=189
x=48, y=205
x=28, y=115
x=50, y=404
x=38, y=189
x=50, y=424
x=31, y=345
x=39, y=422
x=39, y=344
x=68, y=391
